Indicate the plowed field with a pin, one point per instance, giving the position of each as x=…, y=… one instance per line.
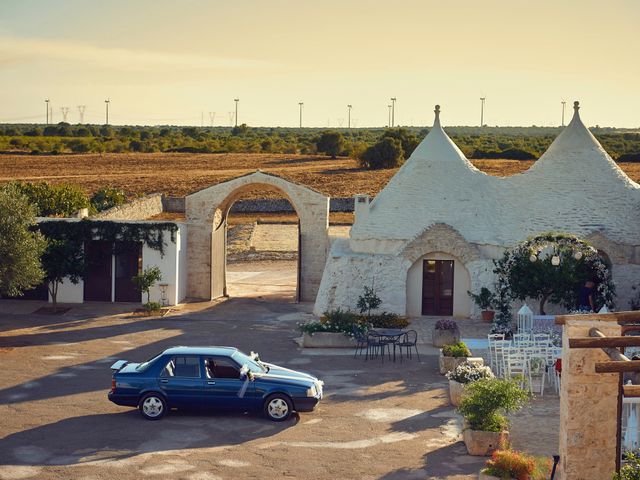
x=180, y=174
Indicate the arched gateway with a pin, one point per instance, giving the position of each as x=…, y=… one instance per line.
x=207, y=211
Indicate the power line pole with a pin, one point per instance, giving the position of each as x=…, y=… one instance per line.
x=236, y=100
x=65, y=113
x=212, y=117
x=349, y=117
x=389, y=115
x=300, y=105
x=81, y=109
x=106, y=103
x=393, y=111
x=47, y=105
x=563, y=105
x=482, y=99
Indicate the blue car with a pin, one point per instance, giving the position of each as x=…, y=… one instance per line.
x=222, y=378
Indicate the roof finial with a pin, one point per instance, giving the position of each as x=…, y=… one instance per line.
x=576, y=106
x=436, y=121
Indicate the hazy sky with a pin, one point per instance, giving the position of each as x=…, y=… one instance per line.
x=167, y=61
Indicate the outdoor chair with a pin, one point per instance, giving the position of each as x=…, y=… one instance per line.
x=362, y=343
x=408, y=340
x=376, y=344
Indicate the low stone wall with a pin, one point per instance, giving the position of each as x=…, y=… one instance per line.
x=266, y=205
x=138, y=209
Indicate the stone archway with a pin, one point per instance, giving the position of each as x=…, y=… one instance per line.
x=206, y=212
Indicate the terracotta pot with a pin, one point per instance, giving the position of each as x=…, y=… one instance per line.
x=487, y=315
x=483, y=443
x=456, y=389
x=440, y=338
x=448, y=364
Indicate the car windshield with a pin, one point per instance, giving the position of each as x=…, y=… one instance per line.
x=143, y=366
x=244, y=359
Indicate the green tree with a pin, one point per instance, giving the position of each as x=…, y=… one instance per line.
x=145, y=280
x=553, y=267
x=54, y=200
x=387, y=153
x=408, y=140
x=107, y=198
x=20, y=247
x=62, y=260
x=331, y=143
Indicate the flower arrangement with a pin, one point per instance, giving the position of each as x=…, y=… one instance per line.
x=507, y=463
x=456, y=350
x=447, y=324
x=336, y=321
x=537, y=366
x=469, y=372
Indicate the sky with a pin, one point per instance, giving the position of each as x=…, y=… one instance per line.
x=174, y=62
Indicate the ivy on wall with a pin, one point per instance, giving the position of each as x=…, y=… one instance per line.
x=150, y=233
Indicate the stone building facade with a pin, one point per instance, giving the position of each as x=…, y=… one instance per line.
x=433, y=232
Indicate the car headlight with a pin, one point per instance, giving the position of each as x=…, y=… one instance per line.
x=312, y=392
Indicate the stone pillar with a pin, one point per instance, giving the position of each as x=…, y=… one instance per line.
x=199, y=260
x=588, y=403
x=314, y=224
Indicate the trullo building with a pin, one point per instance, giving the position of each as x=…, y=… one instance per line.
x=433, y=232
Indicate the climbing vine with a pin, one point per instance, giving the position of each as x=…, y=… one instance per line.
x=150, y=233
x=553, y=267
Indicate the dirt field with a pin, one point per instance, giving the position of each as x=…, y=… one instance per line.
x=181, y=174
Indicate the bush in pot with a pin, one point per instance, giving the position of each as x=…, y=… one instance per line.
x=631, y=468
x=452, y=356
x=462, y=375
x=445, y=332
x=484, y=407
x=485, y=300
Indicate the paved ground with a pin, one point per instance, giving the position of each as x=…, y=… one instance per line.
x=376, y=422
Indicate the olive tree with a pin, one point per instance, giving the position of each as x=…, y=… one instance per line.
x=62, y=260
x=20, y=247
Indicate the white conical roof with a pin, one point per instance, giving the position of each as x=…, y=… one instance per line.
x=574, y=187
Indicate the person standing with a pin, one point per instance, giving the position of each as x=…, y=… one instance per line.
x=585, y=297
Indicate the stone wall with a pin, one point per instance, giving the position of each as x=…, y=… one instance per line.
x=262, y=205
x=588, y=403
x=138, y=209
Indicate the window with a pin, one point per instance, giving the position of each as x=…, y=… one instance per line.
x=182, y=367
x=221, y=368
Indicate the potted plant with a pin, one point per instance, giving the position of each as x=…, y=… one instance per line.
x=462, y=375
x=337, y=328
x=485, y=300
x=513, y=465
x=484, y=407
x=445, y=332
x=452, y=356
x=631, y=468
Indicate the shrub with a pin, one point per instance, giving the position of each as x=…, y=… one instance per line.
x=54, y=200
x=456, y=350
x=447, y=324
x=386, y=320
x=107, y=198
x=488, y=400
x=146, y=279
x=509, y=463
x=469, y=372
x=387, y=153
x=336, y=321
x=631, y=468
x=152, y=306
x=485, y=300
x=331, y=143
x=368, y=301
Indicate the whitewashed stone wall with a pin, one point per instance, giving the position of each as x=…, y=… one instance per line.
x=206, y=209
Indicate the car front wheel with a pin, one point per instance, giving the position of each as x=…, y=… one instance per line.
x=152, y=406
x=278, y=407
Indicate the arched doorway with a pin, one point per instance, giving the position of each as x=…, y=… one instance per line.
x=207, y=214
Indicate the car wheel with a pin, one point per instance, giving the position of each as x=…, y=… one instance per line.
x=278, y=407
x=152, y=406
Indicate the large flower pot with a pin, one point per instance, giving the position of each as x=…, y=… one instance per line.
x=440, y=338
x=483, y=443
x=487, y=315
x=448, y=364
x=456, y=389
x=327, y=340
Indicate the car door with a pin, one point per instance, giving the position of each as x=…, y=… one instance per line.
x=225, y=390
x=182, y=382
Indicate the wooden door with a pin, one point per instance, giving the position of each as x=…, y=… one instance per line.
x=437, y=287
x=128, y=263
x=97, y=282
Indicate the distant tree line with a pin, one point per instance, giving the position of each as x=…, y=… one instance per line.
x=374, y=147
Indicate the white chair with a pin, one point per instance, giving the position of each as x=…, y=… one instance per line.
x=500, y=346
x=537, y=369
x=492, y=338
x=521, y=338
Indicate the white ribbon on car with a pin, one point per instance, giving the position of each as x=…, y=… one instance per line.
x=244, y=371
